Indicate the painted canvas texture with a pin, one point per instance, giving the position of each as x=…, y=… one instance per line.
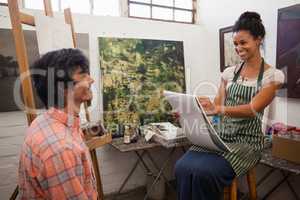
x=134, y=73
x=9, y=69
x=288, y=49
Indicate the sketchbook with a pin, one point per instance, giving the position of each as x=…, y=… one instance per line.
x=194, y=121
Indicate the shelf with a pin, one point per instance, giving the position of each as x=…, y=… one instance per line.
x=98, y=141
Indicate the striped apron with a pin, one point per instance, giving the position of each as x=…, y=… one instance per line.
x=243, y=135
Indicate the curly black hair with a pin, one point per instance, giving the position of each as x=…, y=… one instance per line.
x=53, y=72
x=250, y=21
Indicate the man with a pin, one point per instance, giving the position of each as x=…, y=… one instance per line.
x=55, y=162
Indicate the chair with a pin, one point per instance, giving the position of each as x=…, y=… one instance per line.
x=230, y=193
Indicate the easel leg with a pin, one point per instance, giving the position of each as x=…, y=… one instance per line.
x=97, y=174
x=15, y=194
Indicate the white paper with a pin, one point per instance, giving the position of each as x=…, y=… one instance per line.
x=52, y=34
x=194, y=121
x=167, y=130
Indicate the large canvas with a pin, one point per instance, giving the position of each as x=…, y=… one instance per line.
x=134, y=74
x=288, y=49
x=52, y=33
x=9, y=70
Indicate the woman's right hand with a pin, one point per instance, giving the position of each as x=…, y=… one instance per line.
x=209, y=107
x=205, y=102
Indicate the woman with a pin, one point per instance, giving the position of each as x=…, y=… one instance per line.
x=244, y=92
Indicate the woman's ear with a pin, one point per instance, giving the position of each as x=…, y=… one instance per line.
x=259, y=41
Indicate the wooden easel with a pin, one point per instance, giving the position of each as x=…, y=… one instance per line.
x=17, y=19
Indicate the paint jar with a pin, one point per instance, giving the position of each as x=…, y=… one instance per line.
x=127, y=135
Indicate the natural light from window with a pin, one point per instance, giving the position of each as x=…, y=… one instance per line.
x=77, y=6
x=96, y=7
x=106, y=7
x=139, y=10
x=166, y=10
x=34, y=4
x=184, y=4
x=163, y=2
x=162, y=13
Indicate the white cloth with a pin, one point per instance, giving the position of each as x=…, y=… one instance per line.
x=270, y=75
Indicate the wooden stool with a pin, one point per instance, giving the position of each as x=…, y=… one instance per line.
x=230, y=193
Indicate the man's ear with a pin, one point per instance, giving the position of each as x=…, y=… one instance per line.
x=67, y=92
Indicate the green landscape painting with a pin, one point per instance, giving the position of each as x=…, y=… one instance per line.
x=134, y=73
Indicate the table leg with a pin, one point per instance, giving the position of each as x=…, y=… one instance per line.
x=246, y=196
x=142, y=160
x=157, y=168
x=276, y=186
x=130, y=173
x=265, y=176
x=183, y=149
x=160, y=172
x=291, y=187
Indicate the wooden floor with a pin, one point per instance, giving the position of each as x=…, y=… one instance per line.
x=139, y=194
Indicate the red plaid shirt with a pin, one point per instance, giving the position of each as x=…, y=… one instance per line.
x=54, y=161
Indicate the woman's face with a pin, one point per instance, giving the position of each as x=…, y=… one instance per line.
x=246, y=46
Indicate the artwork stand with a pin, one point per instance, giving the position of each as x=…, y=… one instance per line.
x=17, y=19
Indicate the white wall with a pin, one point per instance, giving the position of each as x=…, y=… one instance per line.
x=215, y=14
x=132, y=28
x=114, y=165
x=201, y=46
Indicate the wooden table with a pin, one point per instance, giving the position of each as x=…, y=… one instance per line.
x=140, y=148
x=286, y=168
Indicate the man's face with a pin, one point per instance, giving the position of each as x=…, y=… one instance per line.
x=82, y=89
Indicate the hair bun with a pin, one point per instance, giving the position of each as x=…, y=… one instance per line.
x=250, y=16
x=250, y=21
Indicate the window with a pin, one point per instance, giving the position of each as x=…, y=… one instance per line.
x=96, y=7
x=77, y=6
x=106, y=7
x=165, y=10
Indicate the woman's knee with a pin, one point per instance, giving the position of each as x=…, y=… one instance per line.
x=180, y=167
x=186, y=164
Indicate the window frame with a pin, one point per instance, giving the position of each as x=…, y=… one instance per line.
x=3, y=4
x=173, y=8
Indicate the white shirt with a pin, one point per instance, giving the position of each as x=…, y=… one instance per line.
x=270, y=75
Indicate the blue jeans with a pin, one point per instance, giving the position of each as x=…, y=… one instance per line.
x=202, y=176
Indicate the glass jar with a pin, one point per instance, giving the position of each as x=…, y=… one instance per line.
x=127, y=135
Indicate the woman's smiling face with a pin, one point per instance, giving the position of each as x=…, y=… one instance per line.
x=246, y=46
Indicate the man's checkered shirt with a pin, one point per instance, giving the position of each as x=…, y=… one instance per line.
x=54, y=161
